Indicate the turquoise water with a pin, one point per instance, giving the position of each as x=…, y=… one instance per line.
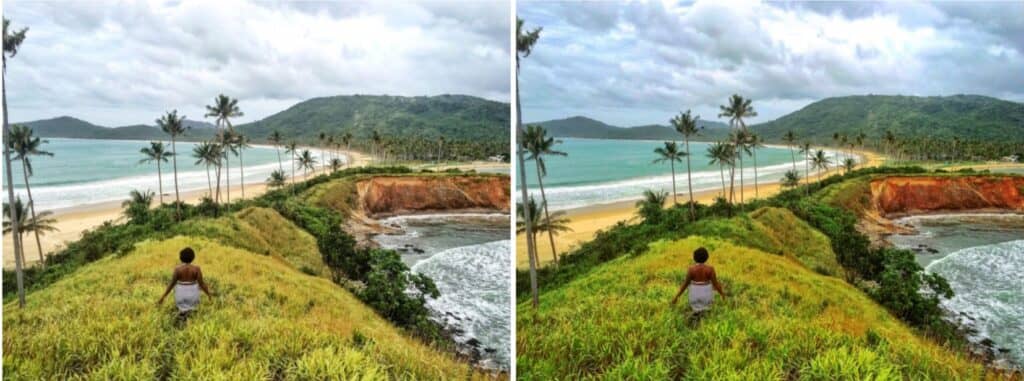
x=89, y=171
x=606, y=171
x=982, y=257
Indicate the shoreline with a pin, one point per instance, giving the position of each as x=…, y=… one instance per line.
x=73, y=221
x=586, y=221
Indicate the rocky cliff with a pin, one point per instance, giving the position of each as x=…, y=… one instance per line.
x=384, y=196
x=899, y=196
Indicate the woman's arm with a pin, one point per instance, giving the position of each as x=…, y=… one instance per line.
x=202, y=284
x=174, y=279
x=686, y=282
x=714, y=282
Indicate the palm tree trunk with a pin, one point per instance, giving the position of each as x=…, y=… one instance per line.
x=807, y=176
x=15, y=229
x=209, y=184
x=530, y=239
x=689, y=181
x=755, y=171
x=241, y=170
x=721, y=172
x=732, y=184
x=160, y=181
x=227, y=175
x=174, y=161
x=547, y=216
x=673, y=165
x=741, y=176
x=793, y=155
x=217, y=177
x=32, y=208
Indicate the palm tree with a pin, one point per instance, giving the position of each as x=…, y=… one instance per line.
x=347, y=139
x=136, y=207
x=40, y=223
x=172, y=125
x=737, y=110
x=24, y=146
x=203, y=154
x=335, y=164
x=223, y=109
x=791, y=179
x=557, y=223
x=440, y=147
x=849, y=164
x=755, y=143
x=524, y=45
x=538, y=144
x=805, y=149
x=650, y=206
x=790, y=139
x=276, y=179
x=376, y=139
x=275, y=137
x=156, y=152
x=741, y=144
x=687, y=125
x=293, y=149
x=820, y=161
x=670, y=153
x=12, y=40
x=306, y=162
x=721, y=153
x=240, y=143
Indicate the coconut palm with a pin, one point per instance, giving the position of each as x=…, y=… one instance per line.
x=174, y=126
x=791, y=179
x=525, y=39
x=347, y=139
x=12, y=41
x=820, y=161
x=377, y=140
x=721, y=153
x=737, y=110
x=136, y=207
x=293, y=149
x=333, y=152
x=276, y=179
x=805, y=149
x=553, y=224
x=650, y=206
x=306, y=162
x=156, y=152
x=335, y=164
x=203, y=155
x=25, y=145
x=240, y=143
x=790, y=139
x=849, y=164
x=686, y=124
x=753, y=144
x=538, y=144
x=670, y=153
x=40, y=223
x=275, y=138
x=740, y=141
x=223, y=109
x=440, y=147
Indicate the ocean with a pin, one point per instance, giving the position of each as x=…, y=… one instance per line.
x=982, y=257
x=90, y=171
x=468, y=257
x=606, y=171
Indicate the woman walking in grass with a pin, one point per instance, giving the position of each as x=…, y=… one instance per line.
x=186, y=282
x=702, y=278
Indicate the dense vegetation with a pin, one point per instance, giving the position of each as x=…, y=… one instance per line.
x=68, y=127
x=583, y=127
x=378, y=277
x=817, y=233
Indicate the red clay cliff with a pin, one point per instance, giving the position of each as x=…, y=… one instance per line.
x=384, y=196
x=898, y=196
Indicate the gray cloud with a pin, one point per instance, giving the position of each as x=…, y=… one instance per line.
x=641, y=62
x=119, y=63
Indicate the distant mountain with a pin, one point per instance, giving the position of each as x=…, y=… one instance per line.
x=968, y=117
x=68, y=127
x=583, y=127
x=456, y=117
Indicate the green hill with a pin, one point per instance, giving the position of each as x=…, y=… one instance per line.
x=456, y=117
x=781, y=321
x=68, y=127
x=968, y=117
x=583, y=127
x=272, y=316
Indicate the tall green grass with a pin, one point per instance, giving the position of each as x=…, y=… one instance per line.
x=781, y=321
x=267, y=321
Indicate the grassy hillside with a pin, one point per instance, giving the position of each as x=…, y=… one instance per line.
x=968, y=117
x=68, y=127
x=781, y=321
x=267, y=321
x=456, y=117
x=583, y=127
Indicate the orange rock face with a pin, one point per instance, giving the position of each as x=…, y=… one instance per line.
x=897, y=196
x=386, y=196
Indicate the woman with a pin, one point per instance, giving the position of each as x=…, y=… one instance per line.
x=186, y=283
x=702, y=277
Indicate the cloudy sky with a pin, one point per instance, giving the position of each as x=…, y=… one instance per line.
x=120, y=63
x=640, y=63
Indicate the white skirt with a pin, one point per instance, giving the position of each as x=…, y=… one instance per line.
x=700, y=296
x=186, y=296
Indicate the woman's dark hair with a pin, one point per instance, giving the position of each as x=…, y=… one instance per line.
x=700, y=255
x=187, y=255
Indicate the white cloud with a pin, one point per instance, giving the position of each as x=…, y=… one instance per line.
x=118, y=63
